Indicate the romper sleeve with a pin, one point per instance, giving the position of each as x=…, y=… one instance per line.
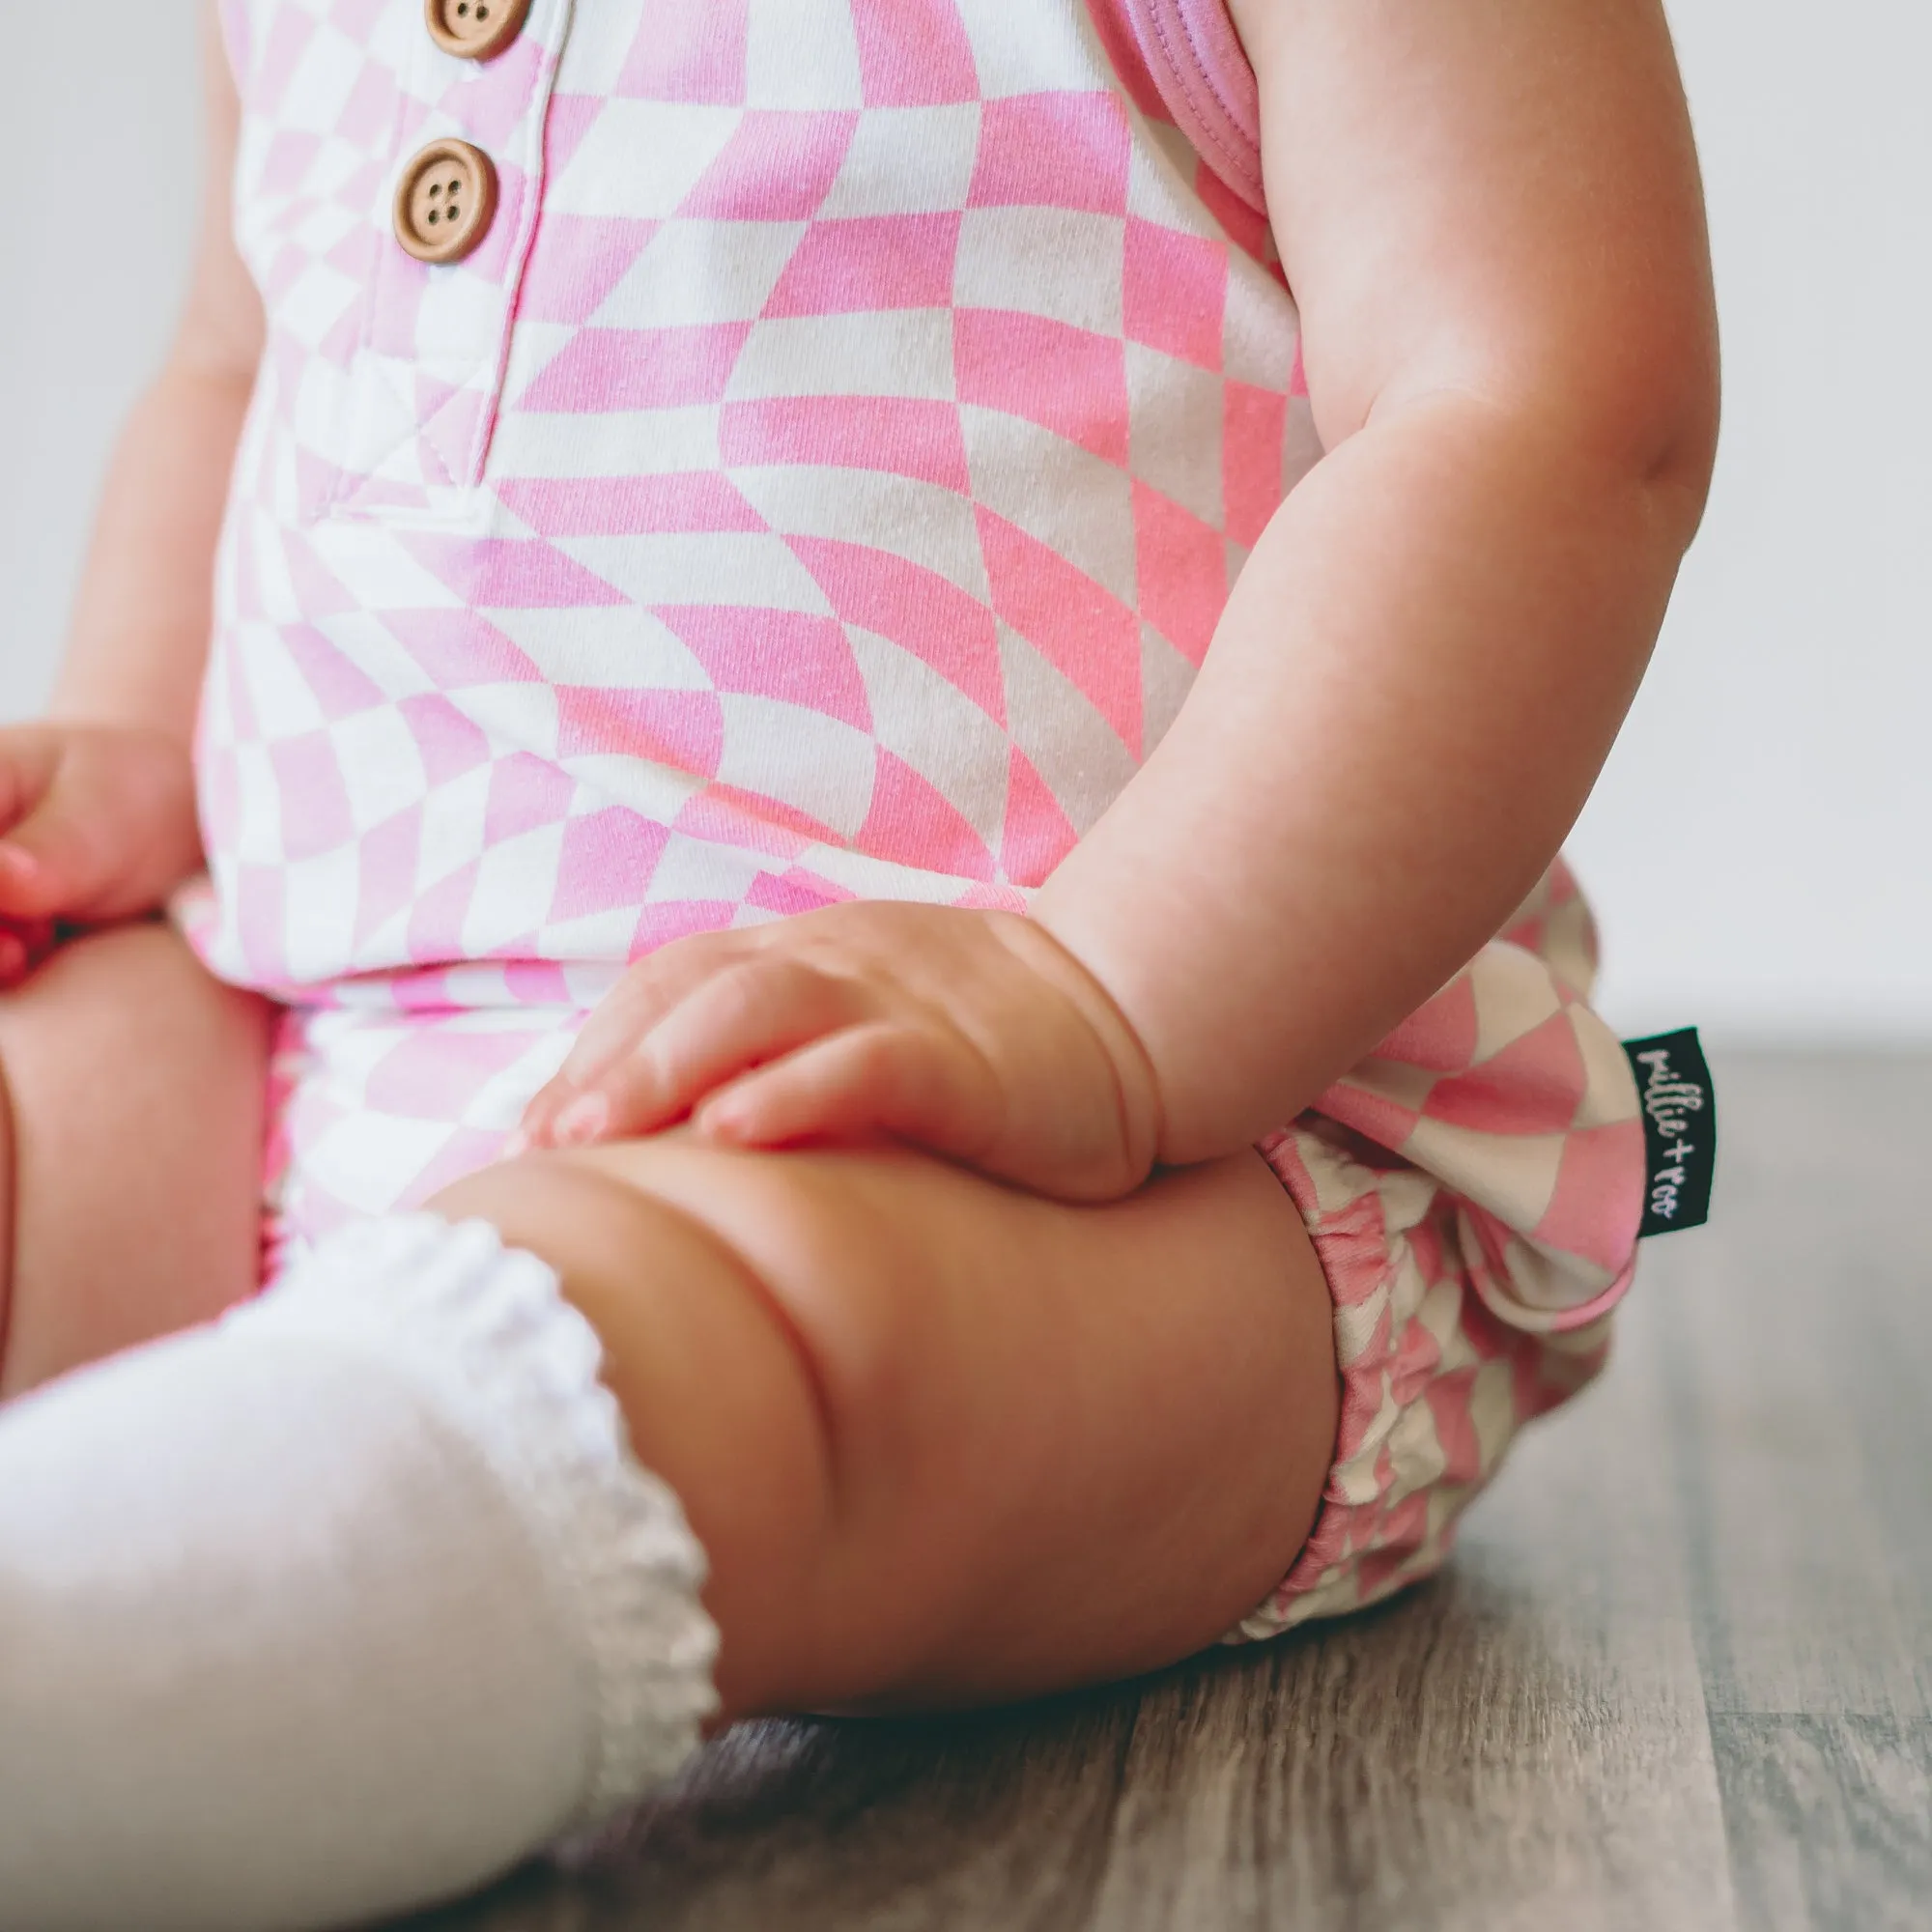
x=1191, y=54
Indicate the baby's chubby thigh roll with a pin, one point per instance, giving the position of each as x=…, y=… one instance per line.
x=340, y=1607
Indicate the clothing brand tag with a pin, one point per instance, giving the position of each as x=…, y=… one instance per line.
x=1679, y=1129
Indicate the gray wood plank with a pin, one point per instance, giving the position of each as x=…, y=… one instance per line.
x=1431, y=1765
x=995, y=1820
x=1831, y=1821
x=1797, y=1364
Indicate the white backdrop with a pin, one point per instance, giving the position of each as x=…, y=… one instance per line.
x=1757, y=848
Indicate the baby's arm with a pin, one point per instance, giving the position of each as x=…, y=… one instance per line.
x=1488, y=210
x=115, y=1224
x=139, y=636
x=96, y=813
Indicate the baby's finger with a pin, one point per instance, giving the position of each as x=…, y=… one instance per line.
x=28, y=759
x=646, y=992
x=19, y=881
x=33, y=885
x=884, y=1078
x=51, y=864
x=752, y=1012
x=639, y=1001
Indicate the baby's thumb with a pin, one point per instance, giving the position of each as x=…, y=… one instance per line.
x=49, y=865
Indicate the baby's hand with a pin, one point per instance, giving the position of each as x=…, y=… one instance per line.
x=975, y=1034
x=97, y=822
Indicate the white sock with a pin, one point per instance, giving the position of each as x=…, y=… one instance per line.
x=343, y=1606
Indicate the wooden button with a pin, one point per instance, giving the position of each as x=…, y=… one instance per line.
x=475, y=29
x=444, y=201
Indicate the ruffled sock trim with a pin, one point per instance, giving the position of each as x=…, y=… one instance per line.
x=483, y=1331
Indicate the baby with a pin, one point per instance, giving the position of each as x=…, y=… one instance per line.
x=885, y=692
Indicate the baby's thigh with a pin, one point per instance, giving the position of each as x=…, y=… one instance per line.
x=131, y=1123
x=1064, y=1443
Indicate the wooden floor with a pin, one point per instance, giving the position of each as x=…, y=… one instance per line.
x=1679, y=1676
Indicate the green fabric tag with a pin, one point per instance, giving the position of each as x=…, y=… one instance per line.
x=1679, y=1129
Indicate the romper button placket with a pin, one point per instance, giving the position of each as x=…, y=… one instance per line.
x=444, y=201
x=475, y=29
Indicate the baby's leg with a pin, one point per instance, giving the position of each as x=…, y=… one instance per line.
x=130, y=1126
x=942, y=1440
x=347, y=1602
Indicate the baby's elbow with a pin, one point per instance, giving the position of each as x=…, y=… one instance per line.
x=1680, y=453
x=1614, y=399
x=1642, y=400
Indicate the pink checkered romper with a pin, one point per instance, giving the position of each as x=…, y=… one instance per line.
x=823, y=482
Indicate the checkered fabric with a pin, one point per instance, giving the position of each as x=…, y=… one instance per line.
x=825, y=479
x=823, y=482
x=1436, y=1382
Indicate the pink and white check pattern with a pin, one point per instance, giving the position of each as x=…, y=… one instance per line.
x=824, y=482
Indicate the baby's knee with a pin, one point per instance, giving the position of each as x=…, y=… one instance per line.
x=131, y=1188
x=791, y=1249
x=677, y=1303
x=720, y=1397
x=825, y=1242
